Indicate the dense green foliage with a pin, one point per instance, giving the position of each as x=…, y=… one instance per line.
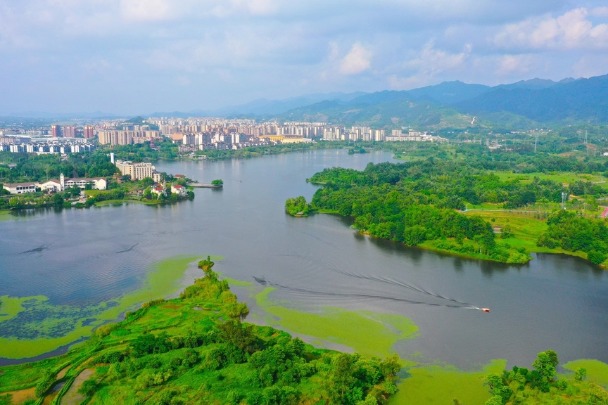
x=257, y=151
x=145, y=152
x=297, y=206
x=574, y=232
x=414, y=203
x=22, y=167
x=40, y=200
x=541, y=385
x=196, y=349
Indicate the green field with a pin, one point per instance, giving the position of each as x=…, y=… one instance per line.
x=526, y=229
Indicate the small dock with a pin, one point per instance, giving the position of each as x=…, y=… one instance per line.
x=203, y=185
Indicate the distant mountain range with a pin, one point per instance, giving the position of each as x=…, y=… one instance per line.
x=525, y=104
x=455, y=104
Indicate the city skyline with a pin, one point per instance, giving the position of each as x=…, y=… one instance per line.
x=142, y=56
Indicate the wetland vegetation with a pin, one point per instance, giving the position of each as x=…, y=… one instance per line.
x=196, y=349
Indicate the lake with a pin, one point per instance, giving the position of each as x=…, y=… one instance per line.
x=84, y=257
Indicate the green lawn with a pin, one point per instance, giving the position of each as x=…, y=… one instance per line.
x=526, y=229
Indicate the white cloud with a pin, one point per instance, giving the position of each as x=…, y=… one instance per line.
x=571, y=30
x=510, y=65
x=588, y=66
x=432, y=61
x=428, y=66
x=356, y=61
x=146, y=10
x=257, y=7
x=599, y=12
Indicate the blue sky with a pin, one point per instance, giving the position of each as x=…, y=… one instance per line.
x=141, y=56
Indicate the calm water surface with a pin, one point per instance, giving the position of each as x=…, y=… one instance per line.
x=86, y=256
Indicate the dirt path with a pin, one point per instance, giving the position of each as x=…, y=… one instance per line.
x=73, y=396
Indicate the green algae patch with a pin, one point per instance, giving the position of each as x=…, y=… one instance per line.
x=21, y=348
x=445, y=385
x=31, y=326
x=597, y=371
x=10, y=307
x=162, y=281
x=366, y=332
x=235, y=282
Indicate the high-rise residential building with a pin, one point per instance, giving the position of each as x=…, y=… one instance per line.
x=88, y=131
x=56, y=131
x=69, y=131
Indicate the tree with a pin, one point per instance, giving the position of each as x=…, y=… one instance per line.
x=217, y=183
x=546, y=364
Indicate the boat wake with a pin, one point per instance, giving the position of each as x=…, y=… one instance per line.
x=447, y=302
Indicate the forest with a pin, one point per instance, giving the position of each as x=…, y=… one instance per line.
x=443, y=198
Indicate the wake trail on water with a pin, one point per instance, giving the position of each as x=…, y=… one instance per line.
x=412, y=287
x=38, y=249
x=263, y=281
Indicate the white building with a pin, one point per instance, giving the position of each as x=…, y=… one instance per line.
x=20, y=188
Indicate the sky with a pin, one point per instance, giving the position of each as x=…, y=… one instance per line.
x=144, y=56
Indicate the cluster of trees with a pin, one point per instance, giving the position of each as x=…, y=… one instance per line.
x=22, y=167
x=414, y=203
x=39, y=200
x=445, y=183
x=222, y=359
x=541, y=384
x=516, y=161
x=571, y=231
x=145, y=152
x=297, y=206
x=257, y=151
